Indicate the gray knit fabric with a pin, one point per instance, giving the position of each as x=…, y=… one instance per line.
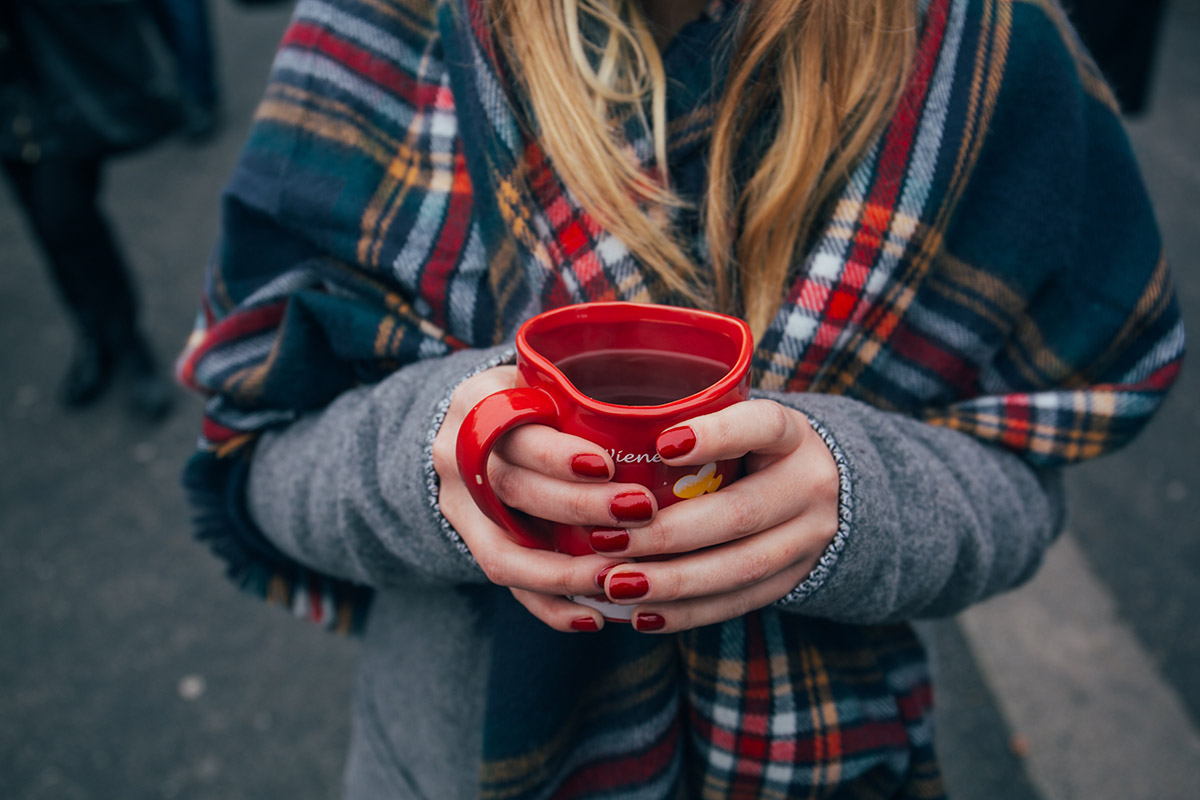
x=417, y=717
x=932, y=521
x=346, y=492
x=939, y=520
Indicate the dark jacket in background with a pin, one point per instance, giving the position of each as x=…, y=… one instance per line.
x=1123, y=38
x=82, y=79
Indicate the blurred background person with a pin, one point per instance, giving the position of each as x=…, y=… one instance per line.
x=79, y=83
x=187, y=28
x=1123, y=38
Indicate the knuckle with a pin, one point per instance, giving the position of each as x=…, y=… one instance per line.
x=464, y=397
x=752, y=568
x=658, y=537
x=457, y=407
x=650, y=539
x=515, y=441
x=579, y=503
x=831, y=481
x=444, y=458
x=549, y=460
x=668, y=585
x=505, y=482
x=494, y=567
x=468, y=393
x=723, y=428
x=562, y=583
x=742, y=516
x=774, y=419
x=451, y=507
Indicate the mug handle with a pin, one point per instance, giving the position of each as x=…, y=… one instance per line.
x=491, y=418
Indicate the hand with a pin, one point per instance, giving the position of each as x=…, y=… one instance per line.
x=547, y=474
x=755, y=539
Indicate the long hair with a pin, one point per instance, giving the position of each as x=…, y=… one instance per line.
x=833, y=69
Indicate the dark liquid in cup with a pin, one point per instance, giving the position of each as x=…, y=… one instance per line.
x=640, y=377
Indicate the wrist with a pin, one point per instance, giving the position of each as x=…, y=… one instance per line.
x=841, y=525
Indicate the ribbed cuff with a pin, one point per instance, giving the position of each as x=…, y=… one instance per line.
x=829, y=558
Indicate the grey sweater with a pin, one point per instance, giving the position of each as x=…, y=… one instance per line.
x=931, y=522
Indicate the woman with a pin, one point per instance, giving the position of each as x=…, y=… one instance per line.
x=928, y=213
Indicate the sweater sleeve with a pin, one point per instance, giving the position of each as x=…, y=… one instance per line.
x=931, y=520
x=350, y=491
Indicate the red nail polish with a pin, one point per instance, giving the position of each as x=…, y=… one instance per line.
x=589, y=465
x=627, y=586
x=586, y=624
x=676, y=442
x=602, y=574
x=604, y=540
x=632, y=507
x=648, y=622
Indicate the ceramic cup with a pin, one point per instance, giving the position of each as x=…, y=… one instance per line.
x=616, y=374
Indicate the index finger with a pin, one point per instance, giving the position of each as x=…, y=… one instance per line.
x=554, y=453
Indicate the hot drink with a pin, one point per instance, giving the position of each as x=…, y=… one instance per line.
x=628, y=377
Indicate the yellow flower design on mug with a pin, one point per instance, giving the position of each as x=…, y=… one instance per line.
x=702, y=482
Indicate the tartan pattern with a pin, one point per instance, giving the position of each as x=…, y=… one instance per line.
x=758, y=707
x=390, y=206
x=834, y=712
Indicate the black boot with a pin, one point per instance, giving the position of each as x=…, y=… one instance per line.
x=149, y=395
x=89, y=374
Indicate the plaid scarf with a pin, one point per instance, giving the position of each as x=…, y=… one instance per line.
x=991, y=265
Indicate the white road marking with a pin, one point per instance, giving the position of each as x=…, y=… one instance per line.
x=1071, y=678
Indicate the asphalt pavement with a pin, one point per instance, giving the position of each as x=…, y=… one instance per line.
x=129, y=668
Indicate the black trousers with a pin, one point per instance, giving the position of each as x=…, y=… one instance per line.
x=1122, y=36
x=60, y=199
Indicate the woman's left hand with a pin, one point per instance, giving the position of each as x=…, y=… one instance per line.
x=748, y=544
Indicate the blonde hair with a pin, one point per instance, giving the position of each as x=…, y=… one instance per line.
x=834, y=69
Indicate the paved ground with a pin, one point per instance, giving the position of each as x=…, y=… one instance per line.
x=130, y=669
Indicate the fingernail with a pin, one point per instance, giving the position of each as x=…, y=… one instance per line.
x=648, y=622
x=627, y=586
x=602, y=574
x=586, y=624
x=676, y=442
x=631, y=507
x=589, y=465
x=604, y=540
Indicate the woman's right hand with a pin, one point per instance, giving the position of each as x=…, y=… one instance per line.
x=547, y=474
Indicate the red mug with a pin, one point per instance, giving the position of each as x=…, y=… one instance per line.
x=616, y=374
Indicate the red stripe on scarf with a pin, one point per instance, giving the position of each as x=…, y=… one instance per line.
x=215, y=432
x=1159, y=381
x=237, y=326
x=880, y=205
x=308, y=36
x=868, y=737
x=443, y=259
x=634, y=769
x=1017, y=422
x=914, y=704
x=751, y=746
x=925, y=352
